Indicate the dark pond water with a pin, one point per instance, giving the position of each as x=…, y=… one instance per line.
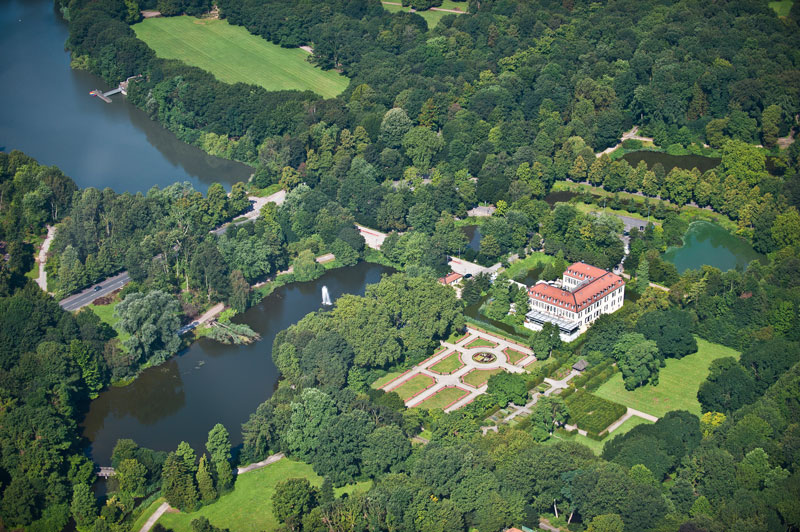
x=709, y=243
x=560, y=196
x=473, y=233
x=686, y=162
x=48, y=113
x=210, y=382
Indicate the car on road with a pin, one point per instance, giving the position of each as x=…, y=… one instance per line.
x=98, y=288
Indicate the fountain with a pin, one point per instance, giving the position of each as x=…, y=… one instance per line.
x=326, y=297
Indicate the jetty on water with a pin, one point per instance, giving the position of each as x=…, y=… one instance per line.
x=121, y=88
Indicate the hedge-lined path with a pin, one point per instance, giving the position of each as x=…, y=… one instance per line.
x=455, y=379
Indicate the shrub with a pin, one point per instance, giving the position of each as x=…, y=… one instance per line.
x=592, y=413
x=632, y=144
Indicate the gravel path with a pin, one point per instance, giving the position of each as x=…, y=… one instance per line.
x=155, y=517
x=42, y=279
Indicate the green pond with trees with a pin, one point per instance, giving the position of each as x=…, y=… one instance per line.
x=209, y=383
x=709, y=243
x=685, y=162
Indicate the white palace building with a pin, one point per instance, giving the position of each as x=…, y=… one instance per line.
x=574, y=302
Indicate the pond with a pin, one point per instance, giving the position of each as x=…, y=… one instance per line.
x=709, y=243
x=473, y=233
x=686, y=162
x=211, y=383
x=48, y=114
x=560, y=196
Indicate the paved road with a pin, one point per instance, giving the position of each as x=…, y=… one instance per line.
x=372, y=237
x=81, y=299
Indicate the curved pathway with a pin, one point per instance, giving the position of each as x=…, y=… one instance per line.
x=456, y=379
x=42, y=279
x=161, y=510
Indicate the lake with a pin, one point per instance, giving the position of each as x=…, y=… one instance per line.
x=686, y=162
x=211, y=383
x=48, y=114
x=709, y=243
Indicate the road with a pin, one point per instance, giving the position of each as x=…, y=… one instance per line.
x=42, y=279
x=81, y=299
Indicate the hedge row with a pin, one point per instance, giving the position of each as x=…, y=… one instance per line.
x=594, y=377
x=591, y=413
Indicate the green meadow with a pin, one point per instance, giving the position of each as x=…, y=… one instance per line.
x=233, y=55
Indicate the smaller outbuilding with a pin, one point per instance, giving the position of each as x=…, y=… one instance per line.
x=450, y=279
x=580, y=365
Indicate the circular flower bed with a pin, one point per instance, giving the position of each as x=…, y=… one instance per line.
x=484, y=357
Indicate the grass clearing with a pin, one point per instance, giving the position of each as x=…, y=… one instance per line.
x=413, y=386
x=782, y=7
x=431, y=17
x=449, y=364
x=537, y=258
x=478, y=377
x=442, y=399
x=106, y=314
x=232, y=55
x=249, y=505
x=678, y=383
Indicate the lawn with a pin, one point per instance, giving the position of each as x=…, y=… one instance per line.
x=594, y=445
x=232, y=55
x=782, y=8
x=431, y=17
x=537, y=258
x=478, y=377
x=448, y=365
x=383, y=381
x=480, y=342
x=678, y=383
x=513, y=355
x=249, y=505
x=443, y=399
x=106, y=314
x=413, y=386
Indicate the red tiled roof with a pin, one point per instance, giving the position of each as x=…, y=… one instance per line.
x=581, y=270
x=450, y=278
x=585, y=295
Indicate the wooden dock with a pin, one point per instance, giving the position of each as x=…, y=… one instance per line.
x=122, y=87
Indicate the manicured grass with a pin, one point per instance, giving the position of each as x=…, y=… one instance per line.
x=448, y=365
x=249, y=505
x=592, y=413
x=533, y=260
x=478, y=377
x=456, y=337
x=232, y=55
x=480, y=342
x=782, y=8
x=413, y=386
x=513, y=355
x=678, y=383
x=594, y=445
x=383, y=381
x=443, y=399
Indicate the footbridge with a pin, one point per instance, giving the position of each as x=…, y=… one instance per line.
x=121, y=88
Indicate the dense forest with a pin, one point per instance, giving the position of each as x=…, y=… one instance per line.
x=495, y=106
